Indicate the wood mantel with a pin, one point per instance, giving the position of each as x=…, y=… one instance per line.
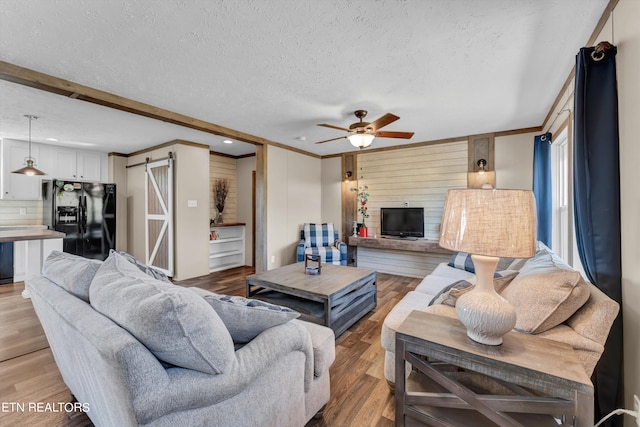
x=420, y=245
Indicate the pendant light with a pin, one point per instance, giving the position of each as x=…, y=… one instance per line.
x=29, y=170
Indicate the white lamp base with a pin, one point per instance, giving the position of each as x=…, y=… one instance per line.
x=487, y=315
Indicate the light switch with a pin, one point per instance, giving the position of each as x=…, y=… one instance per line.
x=192, y=203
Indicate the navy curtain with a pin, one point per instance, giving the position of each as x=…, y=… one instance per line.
x=596, y=181
x=542, y=185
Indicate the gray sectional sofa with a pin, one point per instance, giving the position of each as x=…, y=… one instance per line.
x=137, y=350
x=551, y=299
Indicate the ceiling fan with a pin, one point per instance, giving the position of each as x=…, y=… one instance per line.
x=361, y=133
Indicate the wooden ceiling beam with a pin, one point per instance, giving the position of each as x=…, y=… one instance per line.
x=35, y=79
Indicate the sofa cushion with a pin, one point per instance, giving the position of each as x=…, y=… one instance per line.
x=175, y=324
x=463, y=261
x=146, y=269
x=73, y=273
x=324, y=348
x=450, y=294
x=246, y=318
x=442, y=276
x=412, y=301
x=545, y=293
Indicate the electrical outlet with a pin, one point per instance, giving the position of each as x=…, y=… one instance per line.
x=636, y=409
x=406, y=204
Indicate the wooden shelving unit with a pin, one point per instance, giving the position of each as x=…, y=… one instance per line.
x=227, y=250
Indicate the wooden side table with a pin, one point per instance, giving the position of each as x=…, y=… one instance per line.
x=537, y=376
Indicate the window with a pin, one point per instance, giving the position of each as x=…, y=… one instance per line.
x=561, y=231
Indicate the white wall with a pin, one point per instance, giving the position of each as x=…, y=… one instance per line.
x=332, y=193
x=117, y=174
x=514, y=161
x=191, y=224
x=293, y=198
x=244, y=170
x=20, y=212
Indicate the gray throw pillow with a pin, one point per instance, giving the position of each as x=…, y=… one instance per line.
x=449, y=295
x=148, y=270
x=73, y=273
x=176, y=325
x=246, y=318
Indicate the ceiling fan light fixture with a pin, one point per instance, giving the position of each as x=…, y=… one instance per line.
x=361, y=140
x=29, y=169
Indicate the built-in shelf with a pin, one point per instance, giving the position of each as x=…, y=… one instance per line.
x=227, y=249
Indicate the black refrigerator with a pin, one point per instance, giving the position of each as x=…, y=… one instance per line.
x=85, y=212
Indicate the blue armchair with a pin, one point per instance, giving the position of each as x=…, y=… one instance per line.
x=322, y=239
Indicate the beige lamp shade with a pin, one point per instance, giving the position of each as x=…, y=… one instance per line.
x=492, y=222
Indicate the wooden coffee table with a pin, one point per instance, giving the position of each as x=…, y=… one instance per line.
x=337, y=298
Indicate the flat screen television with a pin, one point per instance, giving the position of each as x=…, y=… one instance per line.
x=402, y=222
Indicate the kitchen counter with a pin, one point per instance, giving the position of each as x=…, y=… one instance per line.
x=28, y=234
x=31, y=247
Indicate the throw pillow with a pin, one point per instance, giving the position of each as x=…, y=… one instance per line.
x=246, y=318
x=463, y=261
x=545, y=293
x=450, y=294
x=176, y=325
x=318, y=235
x=153, y=272
x=71, y=272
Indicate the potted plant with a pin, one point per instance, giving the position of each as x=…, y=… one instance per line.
x=220, y=192
x=363, y=197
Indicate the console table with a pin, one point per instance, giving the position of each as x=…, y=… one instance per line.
x=452, y=376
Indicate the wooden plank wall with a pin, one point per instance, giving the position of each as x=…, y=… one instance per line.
x=224, y=167
x=420, y=176
x=401, y=263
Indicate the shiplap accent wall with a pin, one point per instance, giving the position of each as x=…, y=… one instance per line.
x=10, y=212
x=224, y=167
x=401, y=263
x=419, y=176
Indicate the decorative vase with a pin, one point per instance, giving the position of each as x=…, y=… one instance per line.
x=486, y=315
x=364, y=232
x=219, y=218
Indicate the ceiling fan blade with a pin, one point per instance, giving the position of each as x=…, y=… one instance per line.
x=333, y=127
x=387, y=134
x=332, y=139
x=383, y=121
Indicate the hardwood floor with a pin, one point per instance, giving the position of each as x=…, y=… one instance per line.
x=359, y=393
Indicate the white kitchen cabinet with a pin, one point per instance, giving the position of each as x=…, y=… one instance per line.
x=17, y=186
x=226, y=247
x=80, y=165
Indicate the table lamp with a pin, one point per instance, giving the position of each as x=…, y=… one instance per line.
x=488, y=224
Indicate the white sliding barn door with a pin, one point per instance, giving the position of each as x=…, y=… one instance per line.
x=159, y=215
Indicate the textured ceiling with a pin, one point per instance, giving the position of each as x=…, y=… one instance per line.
x=275, y=69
